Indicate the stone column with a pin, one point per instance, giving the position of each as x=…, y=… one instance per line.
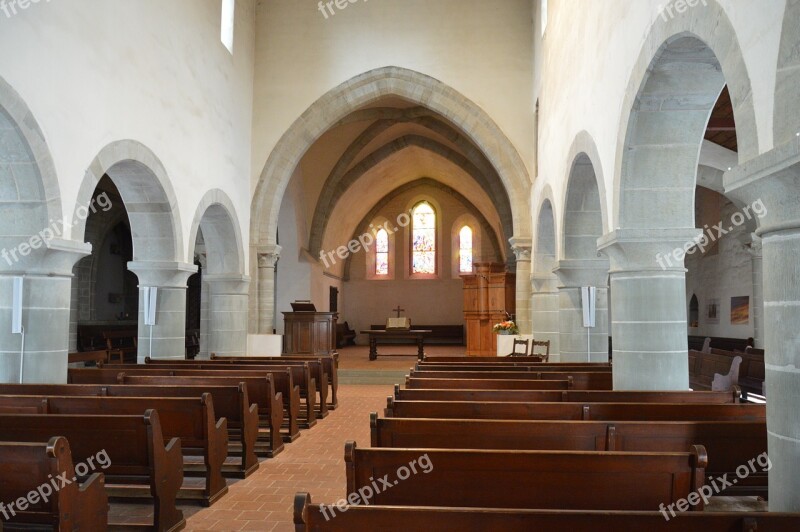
x=227, y=314
x=169, y=332
x=770, y=184
x=544, y=310
x=757, y=305
x=47, y=290
x=576, y=342
x=203, y=353
x=267, y=260
x=648, y=307
x=522, y=250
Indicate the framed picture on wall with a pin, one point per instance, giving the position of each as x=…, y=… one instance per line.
x=740, y=310
x=712, y=311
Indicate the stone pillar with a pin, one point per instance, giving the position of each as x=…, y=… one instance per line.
x=227, y=314
x=522, y=250
x=757, y=305
x=169, y=333
x=203, y=353
x=47, y=290
x=648, y=307
x=73, y=313
x=770, y=184
x=267, y=260
x=576, y=342
x=544, y=310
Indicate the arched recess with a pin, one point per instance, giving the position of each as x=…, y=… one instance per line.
x=145, y=188
x=486, y=229
x=787, y=82
x=682, y=68
x=360, y=92
x=544, y=296
x=224, y=301
x=672, y=90
x=32, y=247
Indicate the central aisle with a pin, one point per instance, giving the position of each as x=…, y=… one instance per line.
x=313, y=463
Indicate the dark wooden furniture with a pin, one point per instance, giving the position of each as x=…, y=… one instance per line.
x=230, y=402
x=596, y=380
x=382, y=335
x=718, y=342
x=525, y=365
x=439, y=335
x=437, y=359
x=259, y=389
x=310, y=517
x=489, y=296
x=576, y=411
x=525, y=348
x=488, y=384
x=344, y=335
x=124, y=342
x=539, y=356
x=28, y=467
x=330, y=364
x=139, y=464
x=190, y=420
x=750, y=439
x=710, y=371
x=568, y=396
x=309, y=333
x=529, y=479
x=751, y=370
x=99, y=357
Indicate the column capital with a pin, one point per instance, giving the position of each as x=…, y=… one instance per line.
x=268, y=256
x=544, y=283
x=521, y=246
x=228, y=284
x=162, y=274
x=767, y=186
x=644, y=250
x=53, y=257
x=755, y=247
x=582, y=272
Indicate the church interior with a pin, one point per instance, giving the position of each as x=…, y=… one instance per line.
x=393, y=265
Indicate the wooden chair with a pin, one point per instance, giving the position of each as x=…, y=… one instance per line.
x=541, y=343
x=515, y=353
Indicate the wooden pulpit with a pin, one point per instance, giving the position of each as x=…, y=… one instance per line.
x=489, y=294
x=309, y=333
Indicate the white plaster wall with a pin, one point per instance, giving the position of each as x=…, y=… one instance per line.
x=584, y=66
x=480, y=48
x=94, y=72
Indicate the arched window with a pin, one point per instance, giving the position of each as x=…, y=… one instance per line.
x=423, y=239
x=382, y=252
x=465, y=250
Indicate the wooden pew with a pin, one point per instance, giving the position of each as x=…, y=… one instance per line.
x=314, y=517
x=507, y=367
x=729, y=444
x=527, y=479
x=281, y=380
x=580, y=380
x=99, y=357
x=501, y=360
x=190, y=420
x=302, y=372
x=28, y=467
x=489, y=384
x=751, y=370
x=270, y=411
x=576, y=411
x=230, y=402
x=567, y=396
x=123, y=342
x=330, y=363
x=709, y=371
x=140, y=465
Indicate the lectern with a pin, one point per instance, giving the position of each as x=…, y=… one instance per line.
x=309, y=333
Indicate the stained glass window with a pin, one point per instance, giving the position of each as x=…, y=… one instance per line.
x=423, y=245
x=465, y=250
x=382, y=253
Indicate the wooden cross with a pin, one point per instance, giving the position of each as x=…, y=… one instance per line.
x=398, y=310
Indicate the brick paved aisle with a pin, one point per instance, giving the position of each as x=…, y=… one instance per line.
x=313, y=463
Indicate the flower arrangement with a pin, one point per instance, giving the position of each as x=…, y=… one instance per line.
x=506, y=327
